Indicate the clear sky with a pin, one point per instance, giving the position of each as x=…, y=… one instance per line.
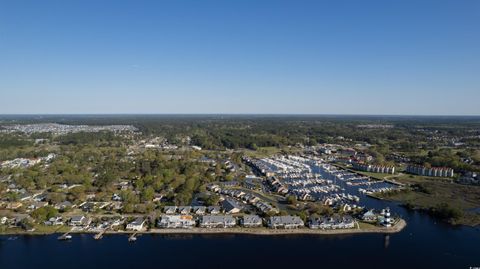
x=240, y=56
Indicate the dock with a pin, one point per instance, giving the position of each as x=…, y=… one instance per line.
x=132, y=237
x=99, y=235
x=65, y=236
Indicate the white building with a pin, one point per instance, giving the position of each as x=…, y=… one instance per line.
x=176, y=221
x=217, y=221
x=285, y=222
x=137, y=224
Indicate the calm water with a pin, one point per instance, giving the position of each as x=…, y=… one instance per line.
x=425, y=243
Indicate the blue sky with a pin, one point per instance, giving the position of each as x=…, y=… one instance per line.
x=240, y=56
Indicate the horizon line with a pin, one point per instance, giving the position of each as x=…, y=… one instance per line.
x=237, y=114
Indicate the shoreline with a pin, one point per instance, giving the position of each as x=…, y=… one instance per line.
x=398, y=227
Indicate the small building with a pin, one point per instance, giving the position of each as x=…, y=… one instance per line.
x=249, y=221
x=176, y=221
x=369, y=216
x=285, y=222
x=137, y=224
x=217, y=221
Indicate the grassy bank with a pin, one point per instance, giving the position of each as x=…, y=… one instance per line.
x=449, y=201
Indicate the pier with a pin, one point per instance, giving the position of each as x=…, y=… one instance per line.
x=133, y=237
x=99, y=235
x=65, y=236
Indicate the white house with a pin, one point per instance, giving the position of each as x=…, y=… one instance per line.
x=137, y=224
x=176, y=221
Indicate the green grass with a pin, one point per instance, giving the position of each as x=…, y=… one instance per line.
x=366, y=225
x=437, y=191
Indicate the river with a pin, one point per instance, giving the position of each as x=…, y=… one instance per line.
x=424, y=243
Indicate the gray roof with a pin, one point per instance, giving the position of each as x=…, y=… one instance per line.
x=230, y=204
x=77, y=218
x=286, y=220
x=211, y=208
x=138, y=221
x=252, y=219
x=218, y=219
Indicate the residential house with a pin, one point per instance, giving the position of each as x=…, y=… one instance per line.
x=249, y=221
x=53, y=221
x=79, y=221
x=176, y=221
x=137, y=224
x=285, y=222
x=217, y=221
x=63, y=205
x=337, y=222
x=230, y=206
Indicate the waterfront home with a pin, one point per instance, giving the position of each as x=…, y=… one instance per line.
x=170, y=209
x=176, y=221
x=199, y=210
x=249, y=221
x=369, y=216
x=335, y=222
x=79, y=221
x=217, y=221
x=285, y=222
x=184, y=210
x=53, y=221
x=214, y=209
x=230, y=206
x=137, y=224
